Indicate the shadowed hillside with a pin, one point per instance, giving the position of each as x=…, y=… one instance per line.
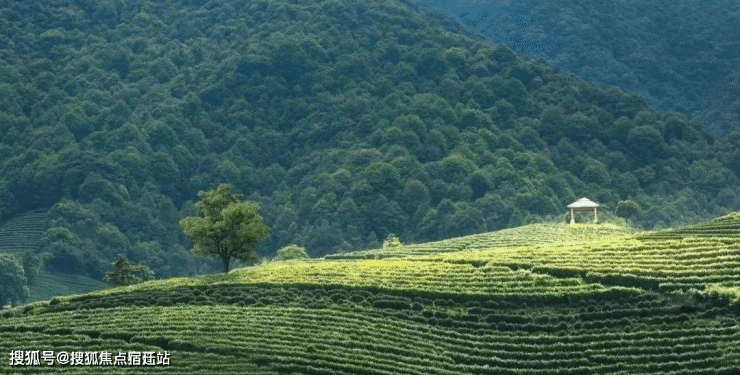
x=682, y=55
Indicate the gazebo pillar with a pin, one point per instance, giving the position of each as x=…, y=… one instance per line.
x=572, y=219
x=596, y=220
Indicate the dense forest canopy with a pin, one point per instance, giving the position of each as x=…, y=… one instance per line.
x=682, y=54
x=346, y=120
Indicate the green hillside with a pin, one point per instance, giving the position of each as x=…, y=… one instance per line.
x=682, y=55
x=23, y=234
x=347, y=120
x=539, y=299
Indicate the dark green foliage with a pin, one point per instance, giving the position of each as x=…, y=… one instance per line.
x=627, y=209
x=225, y=226
x=125, y=273
x=682, y=67
x=31, y=266
x=414, y=194
x=383, y=178
x=456, y=167
x=13, y=287
x=646, y=144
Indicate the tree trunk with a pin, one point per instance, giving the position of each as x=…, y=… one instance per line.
x=227, y=260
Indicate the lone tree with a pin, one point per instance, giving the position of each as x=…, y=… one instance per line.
x=627, y=208
x=225, y=226
x=13, y=287
x=124, y=273
x=291, y=251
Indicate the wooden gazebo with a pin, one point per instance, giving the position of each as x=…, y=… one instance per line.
x=583, y=204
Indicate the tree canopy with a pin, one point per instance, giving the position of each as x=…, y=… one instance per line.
x=125, y=273
x=627, y=209
x=291, y=251
x=13, y=287
x=225, y=226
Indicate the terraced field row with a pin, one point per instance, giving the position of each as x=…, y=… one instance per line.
x=181, y=362
x=676, y=264
x=725, y=226
x=670, y=260
x=50, y=284
x=550, y=270
x=22, y=233
x=417, y=276
x=259, y=329
x=520, y=236
x=666, y=265
x=462, y=306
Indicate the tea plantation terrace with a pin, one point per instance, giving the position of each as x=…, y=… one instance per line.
x=537, y=299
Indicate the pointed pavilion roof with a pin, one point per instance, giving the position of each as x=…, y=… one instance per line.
x=583, y=203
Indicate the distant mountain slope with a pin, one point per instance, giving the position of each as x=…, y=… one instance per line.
x=347, y=121
x=682, y=55
x=464, y=312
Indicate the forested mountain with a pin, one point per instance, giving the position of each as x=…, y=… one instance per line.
x=682, y=54
x=346, y=120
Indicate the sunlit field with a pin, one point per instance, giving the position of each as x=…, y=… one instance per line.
x=537, y=299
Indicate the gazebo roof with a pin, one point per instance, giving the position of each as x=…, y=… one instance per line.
x=583, y=203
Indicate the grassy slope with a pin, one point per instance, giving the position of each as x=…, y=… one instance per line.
x=537, y=299
x=22, y=234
